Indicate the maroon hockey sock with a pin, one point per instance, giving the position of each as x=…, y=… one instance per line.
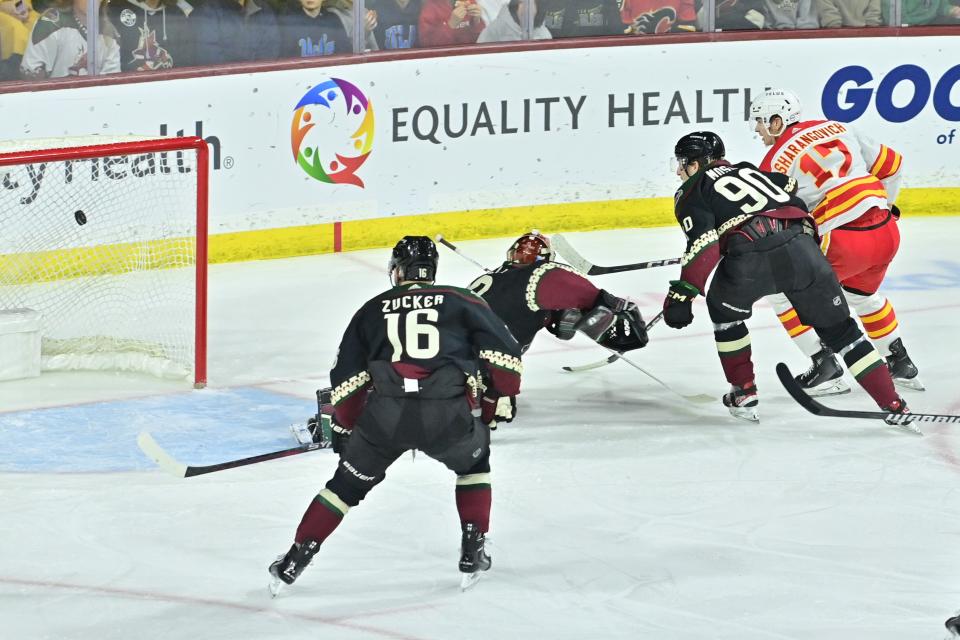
x=733, y=347
x=871, y=372
x=322, y=516
x=473, y=504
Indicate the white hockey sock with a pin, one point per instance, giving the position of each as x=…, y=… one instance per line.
x=803, y=336
x=878, y=318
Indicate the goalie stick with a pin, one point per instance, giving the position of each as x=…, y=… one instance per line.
x=907, y=422
x=608, y=359
x=174, y=467
x=583, y=265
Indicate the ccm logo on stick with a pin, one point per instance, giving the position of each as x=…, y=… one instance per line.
x=855, y=84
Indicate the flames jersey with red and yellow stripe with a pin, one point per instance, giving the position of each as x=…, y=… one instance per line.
x=841, y=174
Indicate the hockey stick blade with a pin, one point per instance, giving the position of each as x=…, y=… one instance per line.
x=172, y=466
x=592, y=365
x=578, y=262
x=906, y=422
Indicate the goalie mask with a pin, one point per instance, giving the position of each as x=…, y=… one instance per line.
x=529, y=248
x=414, y=259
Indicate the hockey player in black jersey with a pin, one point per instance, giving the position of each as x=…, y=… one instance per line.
x=751, y=227
x=530, y=292
x=406, y=378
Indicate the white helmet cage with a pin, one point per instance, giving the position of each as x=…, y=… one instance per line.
x=775, y=102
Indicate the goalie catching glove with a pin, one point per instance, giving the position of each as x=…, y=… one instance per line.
x=614, y=323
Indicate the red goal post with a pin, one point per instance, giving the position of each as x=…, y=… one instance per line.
x=107, y=240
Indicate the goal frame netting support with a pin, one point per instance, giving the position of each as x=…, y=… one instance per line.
x=138, y=147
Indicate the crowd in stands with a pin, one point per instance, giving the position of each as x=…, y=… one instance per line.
x=48, y=38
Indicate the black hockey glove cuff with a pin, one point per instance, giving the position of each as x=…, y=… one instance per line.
x=678, y=305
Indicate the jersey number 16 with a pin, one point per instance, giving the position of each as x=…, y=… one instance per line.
x=421, y=338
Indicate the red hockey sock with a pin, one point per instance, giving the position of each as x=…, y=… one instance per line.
x=871, y=372
x=733, y=347
x=322, y=516
x=474, y=497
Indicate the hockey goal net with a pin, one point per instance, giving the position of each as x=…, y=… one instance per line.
x=107, y=240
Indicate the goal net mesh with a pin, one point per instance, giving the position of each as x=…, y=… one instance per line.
x=105, y=249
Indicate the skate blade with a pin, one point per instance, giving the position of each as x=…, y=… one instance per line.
x=909, y=383
x=275, y=587
x=830, y=388
x=908, y=427
x=469, y=579
x=749, y=414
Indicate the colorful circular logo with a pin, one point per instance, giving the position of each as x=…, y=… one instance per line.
x=332, y=132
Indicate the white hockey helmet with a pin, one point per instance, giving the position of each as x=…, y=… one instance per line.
x=775, y=102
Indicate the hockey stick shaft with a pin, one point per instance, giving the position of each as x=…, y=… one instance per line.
x=699, y=398
x=815, y=407
x=456, y=250
x=608, y=359
x=169, y=464
x=580, y=263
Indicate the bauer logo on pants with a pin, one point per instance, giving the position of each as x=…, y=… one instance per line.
x=332, y=132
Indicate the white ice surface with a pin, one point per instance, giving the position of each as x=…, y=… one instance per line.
x=618, y=514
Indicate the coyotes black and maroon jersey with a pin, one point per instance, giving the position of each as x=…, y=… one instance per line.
x=525, y=296
x=721, y=198
x=420, y=328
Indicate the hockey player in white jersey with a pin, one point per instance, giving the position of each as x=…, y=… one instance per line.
x=849, y=183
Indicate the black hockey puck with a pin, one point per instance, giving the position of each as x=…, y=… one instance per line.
x=80, y=217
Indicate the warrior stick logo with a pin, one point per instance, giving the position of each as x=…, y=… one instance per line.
x=332, y=132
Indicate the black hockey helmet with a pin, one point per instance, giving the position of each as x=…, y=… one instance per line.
x=702, y=147
x=415, y=258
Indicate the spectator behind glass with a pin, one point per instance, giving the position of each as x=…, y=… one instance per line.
x=17, y=18
x=233, y=31
x=490, y=9
x=576, y=18
x=446, y=22
x=919, y=12
x=658, y=16
x=792, y=14
x=737, y=15
x=506, y=26
x=58, y=43
x=154, y=34
x=309, y=29
x=849, y=13
x=396, y=23
x=344, y=9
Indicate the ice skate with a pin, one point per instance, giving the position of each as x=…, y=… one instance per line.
x=902, y=369
x=301, y=432
x=473, y=556
x=953, y=625
x=825, y=375
x=901, y=417
x=288, y=567
x=743, y=402
x=312, y=432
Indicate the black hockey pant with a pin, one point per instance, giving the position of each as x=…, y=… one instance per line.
x=787, y=262
x=394, y=421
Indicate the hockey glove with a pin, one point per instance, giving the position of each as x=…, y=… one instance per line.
x=628, y=331
x=339, y=435
x=493, y=411
x=565, y=323
x=678, y=305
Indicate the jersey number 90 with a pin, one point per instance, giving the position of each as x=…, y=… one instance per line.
x=754, y=189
